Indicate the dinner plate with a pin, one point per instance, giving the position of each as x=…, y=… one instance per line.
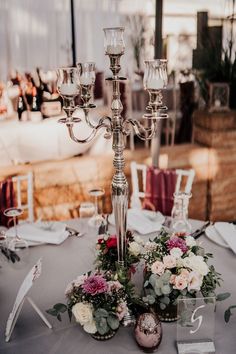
x=214, y=236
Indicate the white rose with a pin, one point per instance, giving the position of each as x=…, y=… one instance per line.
x=176, y=252
x=134, y=248
x=197, y=264
x=90, y=327
x=83, y=312
x=190, y=242
x=169, y=261
x=195, y=281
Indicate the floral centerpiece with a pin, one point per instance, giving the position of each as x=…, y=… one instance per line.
x=107, y=255
x=98, y=303
x=176, y=266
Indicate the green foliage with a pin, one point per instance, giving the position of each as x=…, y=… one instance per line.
x=57, y=310
x=228, y=313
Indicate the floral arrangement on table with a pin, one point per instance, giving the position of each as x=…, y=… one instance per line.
x=176, y=266
x=107, y=254
x=98, y=302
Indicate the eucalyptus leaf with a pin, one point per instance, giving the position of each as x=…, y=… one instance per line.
x=158, y=291
x=52, y=312
x=60, y=307
x=113, y=322
x=59, y=317
x=166, y=289
x=101, y=313
x=162, y=306
x=222, y=296
x=146, y=283
x=101, y=325
x=165, y=300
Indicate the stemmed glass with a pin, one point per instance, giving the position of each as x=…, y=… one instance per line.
x=15, y=243
x=97, y=218
x=68, y=87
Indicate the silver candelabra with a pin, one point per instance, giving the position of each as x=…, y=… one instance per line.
x=80, y=80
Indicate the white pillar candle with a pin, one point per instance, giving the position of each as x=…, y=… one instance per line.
x=115, y=49
x=155, y=84
x=68, y=89
x=86, y=80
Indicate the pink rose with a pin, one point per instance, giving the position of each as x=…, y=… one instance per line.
x=114, y=285
x=158, y=268
x=169, y=261
x=195, y=281
x=121, y=310
x=184, y=274
x=180, y=283
x=172, y=279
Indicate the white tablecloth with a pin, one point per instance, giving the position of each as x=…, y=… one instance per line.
x=61, y=264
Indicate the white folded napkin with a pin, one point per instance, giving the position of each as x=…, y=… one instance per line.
x=141, y=223
x=228, y=233
x=38, y=232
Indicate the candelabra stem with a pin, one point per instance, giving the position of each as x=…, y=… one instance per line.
x=119, y=183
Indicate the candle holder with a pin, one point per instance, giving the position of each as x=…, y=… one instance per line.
x=118, y=127
x=155, y=80
x=68, y=87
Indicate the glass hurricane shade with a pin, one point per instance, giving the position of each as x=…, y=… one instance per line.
x=86, y=73
x=68, y=82
x=114, y=40
x=155, y=74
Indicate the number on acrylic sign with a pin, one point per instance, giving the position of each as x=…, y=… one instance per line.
x=199, y=319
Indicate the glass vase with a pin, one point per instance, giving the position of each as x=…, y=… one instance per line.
x=179, y=213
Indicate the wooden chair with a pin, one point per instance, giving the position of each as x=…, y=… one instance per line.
x=138, y=180
x=18, y=181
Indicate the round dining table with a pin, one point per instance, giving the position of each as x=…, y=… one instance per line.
x=63, y=263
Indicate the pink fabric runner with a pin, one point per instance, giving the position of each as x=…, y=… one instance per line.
x=160, y=187
x=6, y=199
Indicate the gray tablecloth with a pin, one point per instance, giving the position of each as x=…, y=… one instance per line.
x=63, y=263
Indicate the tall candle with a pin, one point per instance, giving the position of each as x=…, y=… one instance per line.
x=86, y=80
x=155, y=84
x=115, y=49
x=68, y=89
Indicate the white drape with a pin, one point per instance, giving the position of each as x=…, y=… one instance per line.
x=38, y=33
x=34, y=33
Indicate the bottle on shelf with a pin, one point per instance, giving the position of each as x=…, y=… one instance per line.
x=35, y=102
x=21, y=107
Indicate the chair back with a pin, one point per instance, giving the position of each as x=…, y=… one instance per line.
x=138, y=184
x=189, y=182
x=29, y=205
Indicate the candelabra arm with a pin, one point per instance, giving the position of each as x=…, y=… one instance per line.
x=91, y=135
x=142, y=132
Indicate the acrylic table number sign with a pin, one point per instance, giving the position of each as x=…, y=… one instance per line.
x=196, y=325
x=26, y=285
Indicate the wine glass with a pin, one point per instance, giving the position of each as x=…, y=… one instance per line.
x=68, y=86
x=96, y=219
x=15, y=244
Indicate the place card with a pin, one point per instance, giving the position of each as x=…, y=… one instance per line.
x=196, y=325
x=26, y=285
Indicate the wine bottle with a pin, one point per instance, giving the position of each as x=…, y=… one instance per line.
x=21, y=107
x=35, y=102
